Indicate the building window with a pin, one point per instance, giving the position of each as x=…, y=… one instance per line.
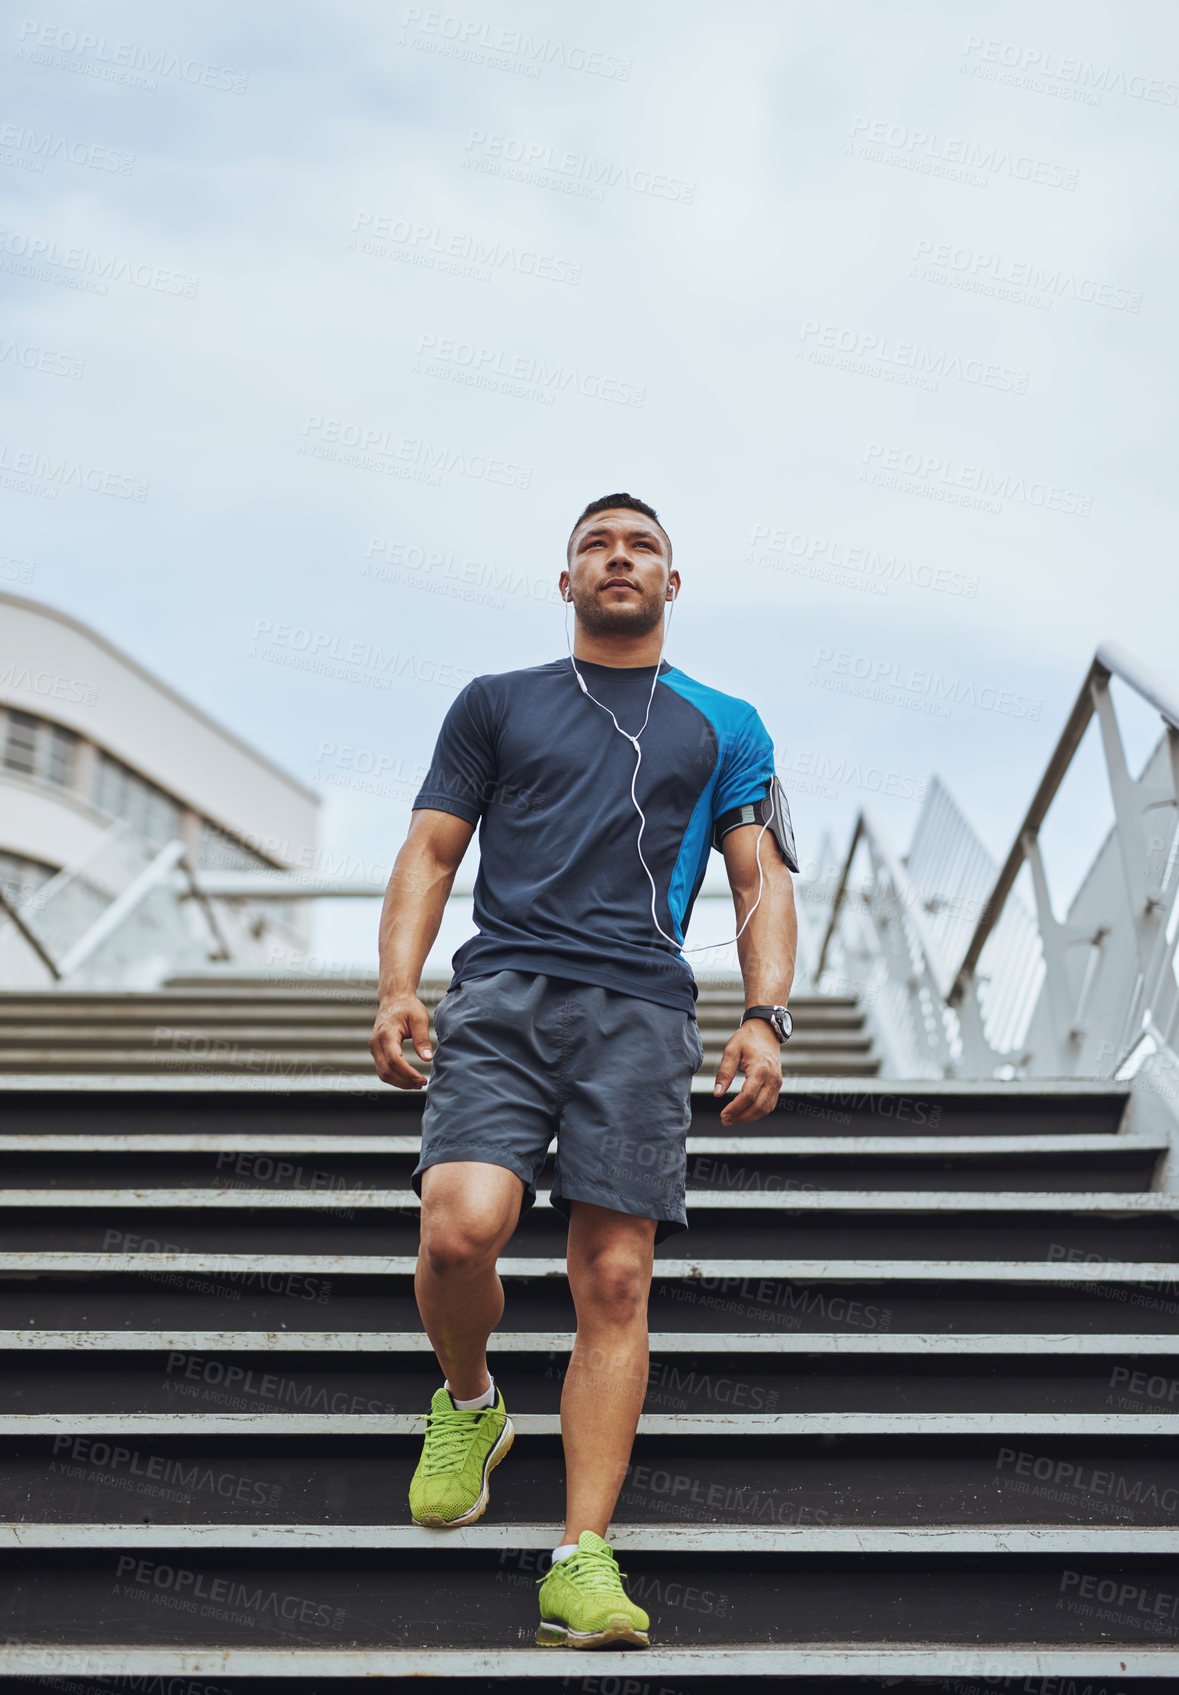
x=60, y=748
x=33, y=747
x=20, y=744
x=123, y=793
x=48, y=753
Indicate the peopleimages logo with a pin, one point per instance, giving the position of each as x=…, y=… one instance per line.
x=187, y=1588
x=371, y=448
x=902, y=361
x=119, y=61
x=17, y=463
x=98, y=270
x=941, y=473
x=33, y=149
x=21, y=679
x=513, y=372
x=430, y=245
x=993, y=274
x=505, y=49
x=925, y=150
x=542, y=163
x=909, y=685
x=49, y=361
x=1045, y=70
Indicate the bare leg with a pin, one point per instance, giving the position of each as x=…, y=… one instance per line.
x=610, y=1257
x=469, y=1210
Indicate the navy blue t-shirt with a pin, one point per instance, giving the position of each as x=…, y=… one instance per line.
x=540, y=768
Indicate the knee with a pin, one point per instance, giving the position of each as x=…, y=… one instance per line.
x=613, y=1284
x=455, y=1246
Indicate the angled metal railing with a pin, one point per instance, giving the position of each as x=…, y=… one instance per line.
x=1032, y=994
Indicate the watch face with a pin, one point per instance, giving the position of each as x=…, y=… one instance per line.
x=783, y=1023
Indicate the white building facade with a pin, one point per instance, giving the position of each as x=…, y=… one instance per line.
x=103, y=767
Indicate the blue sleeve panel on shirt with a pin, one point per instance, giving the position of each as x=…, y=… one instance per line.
x=744, y=768
x=462, y=773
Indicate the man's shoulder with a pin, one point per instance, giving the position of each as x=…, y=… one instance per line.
x=727, y=711
x=505, y=685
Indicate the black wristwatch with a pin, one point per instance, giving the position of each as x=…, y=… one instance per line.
x=776, y=1017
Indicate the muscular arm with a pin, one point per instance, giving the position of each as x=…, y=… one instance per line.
x=769, y=945
x=767, y=949
x=410, y=918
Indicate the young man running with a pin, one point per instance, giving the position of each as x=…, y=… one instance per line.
x=572, y=1012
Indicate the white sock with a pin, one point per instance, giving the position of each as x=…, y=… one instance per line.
x=564, y=1551
x=486, y=1399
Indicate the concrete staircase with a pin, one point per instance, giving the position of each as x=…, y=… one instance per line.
x=242, y=1025
x=911, y=1417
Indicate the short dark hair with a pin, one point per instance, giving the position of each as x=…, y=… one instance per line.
x=608, y=503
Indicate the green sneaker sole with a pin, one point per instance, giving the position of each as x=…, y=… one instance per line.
x=554, y=1634
x=494, y=1455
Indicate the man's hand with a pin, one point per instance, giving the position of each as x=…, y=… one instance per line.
x=755, y=1050
x=397, y=1018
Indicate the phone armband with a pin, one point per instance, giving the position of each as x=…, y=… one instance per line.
x=772, y=806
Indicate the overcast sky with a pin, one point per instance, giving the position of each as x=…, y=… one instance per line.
x=353, y=308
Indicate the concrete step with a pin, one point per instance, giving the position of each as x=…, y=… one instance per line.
x=1054, y=1667
x=1071, y=1236
x=956, y=1345
x=773, y=1590
x=254, y=1192
x=1100, y=1377
x=297, y=1058
x=744, y=1168
x=727, y=992
x=299, y=1104
x=911, y=1395
x=935, y=1667
x=354, y=1010
x=315, y=1294
x=250, y=1025
x=901, y=1490
x=671, y=1266
x=78, y=1050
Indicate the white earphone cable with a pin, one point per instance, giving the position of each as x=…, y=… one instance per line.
x=634, y=741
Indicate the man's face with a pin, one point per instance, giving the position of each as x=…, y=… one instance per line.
x=618, y=575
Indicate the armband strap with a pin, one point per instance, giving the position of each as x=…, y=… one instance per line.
x=773, y=805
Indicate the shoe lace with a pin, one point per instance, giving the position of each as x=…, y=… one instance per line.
x=597, y=1565
x=448, y=1436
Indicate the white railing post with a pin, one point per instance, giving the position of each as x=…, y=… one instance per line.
x=979, y=1058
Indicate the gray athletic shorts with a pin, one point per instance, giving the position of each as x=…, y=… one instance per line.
x=521, y=1057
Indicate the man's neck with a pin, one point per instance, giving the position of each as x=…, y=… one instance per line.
x=629, y=653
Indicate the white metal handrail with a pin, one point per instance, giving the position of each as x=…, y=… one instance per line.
x=1109, y=660
x=70, y=874
x=1108, y=969
x=1110, y=962
x=155, y=875
x=120, y=909
x=887, y=956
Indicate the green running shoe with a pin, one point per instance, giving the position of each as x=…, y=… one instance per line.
x=450, y=1485
x=583, y=1603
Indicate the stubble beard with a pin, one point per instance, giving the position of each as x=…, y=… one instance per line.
x=599, y=619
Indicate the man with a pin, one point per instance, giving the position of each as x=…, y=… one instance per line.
x=572, y=1011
